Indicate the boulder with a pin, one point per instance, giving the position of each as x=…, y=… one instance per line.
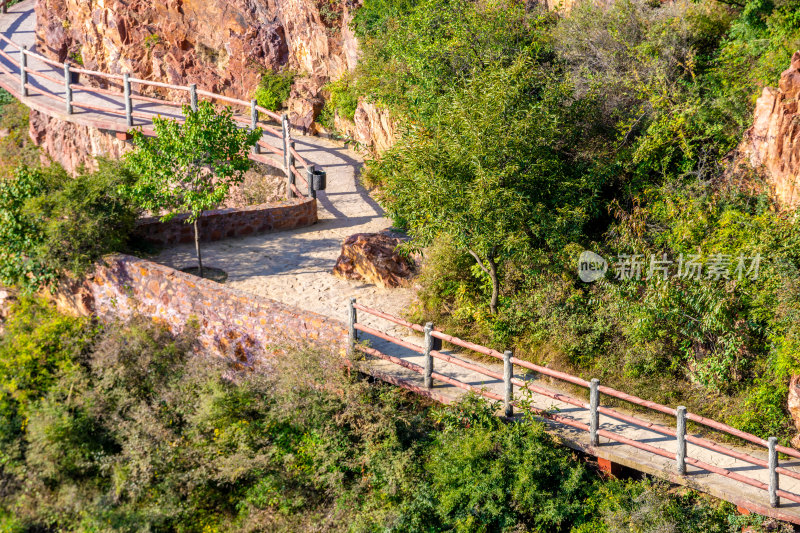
x=372, y=257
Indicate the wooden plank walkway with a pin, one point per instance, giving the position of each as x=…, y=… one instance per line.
x=731, y=490
x=47, y=91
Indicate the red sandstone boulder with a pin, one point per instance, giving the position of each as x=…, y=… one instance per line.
x=372, y=257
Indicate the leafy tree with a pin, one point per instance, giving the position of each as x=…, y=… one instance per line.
x=498, y=171
x=189, y=167
x=52, y=223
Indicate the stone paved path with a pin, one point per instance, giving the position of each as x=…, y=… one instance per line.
x=294, y=267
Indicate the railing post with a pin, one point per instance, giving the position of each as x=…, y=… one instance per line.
x=68, y=88
x=428, y=376
x=508, y=372
x=254, y=123
x=193, y=96
x=594, y=413
x=290, y=167
x=23, y=73
x=126, y=81
x=680, y=434
x=352, y=318
x=773, y=472
x=285, y=138
x=312, y=192
x=4, y=8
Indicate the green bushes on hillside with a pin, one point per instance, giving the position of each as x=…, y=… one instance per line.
x=273, y=89
x=528, y=137
x=122, y=428
x=53, y=223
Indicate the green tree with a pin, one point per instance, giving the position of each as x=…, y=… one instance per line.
x=498, y=172
x=189, y=167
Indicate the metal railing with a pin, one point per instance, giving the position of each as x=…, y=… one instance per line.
x=127, y=91
x=431, y=351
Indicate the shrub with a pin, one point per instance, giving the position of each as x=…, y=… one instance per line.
x=54, y=223
x=273, y=89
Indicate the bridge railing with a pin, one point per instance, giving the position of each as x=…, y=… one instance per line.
x=125, y=91
x=431, y=350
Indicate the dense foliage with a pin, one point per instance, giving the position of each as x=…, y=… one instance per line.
x=527, y=137
x=52, y=223
x=123, y=428
x=273, y=89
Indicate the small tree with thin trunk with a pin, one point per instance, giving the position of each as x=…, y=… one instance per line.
x=189, y=167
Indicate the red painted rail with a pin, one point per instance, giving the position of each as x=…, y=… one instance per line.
x=121, y=87
x=565, y=398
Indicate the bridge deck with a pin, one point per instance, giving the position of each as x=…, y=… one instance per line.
x=19, y=25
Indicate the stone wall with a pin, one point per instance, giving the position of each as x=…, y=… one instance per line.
x=246, y=328
x=226, y=223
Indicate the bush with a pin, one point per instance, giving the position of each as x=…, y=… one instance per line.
x=54, y=223
x=273, y=89
x=124, y=428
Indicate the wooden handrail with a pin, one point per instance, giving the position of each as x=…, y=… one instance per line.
x=699, y=441
x=130, y=112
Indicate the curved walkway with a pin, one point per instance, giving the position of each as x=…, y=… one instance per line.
x=294, y=267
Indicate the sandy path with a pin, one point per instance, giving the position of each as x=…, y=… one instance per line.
x=294, y=266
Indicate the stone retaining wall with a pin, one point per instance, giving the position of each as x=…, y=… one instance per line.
x=234, y=324
x=225, y=223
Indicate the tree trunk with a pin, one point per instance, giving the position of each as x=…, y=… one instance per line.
x=495, y=285
x=197, y=248
x=492, y=273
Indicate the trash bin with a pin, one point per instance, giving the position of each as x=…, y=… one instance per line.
x=320, y=180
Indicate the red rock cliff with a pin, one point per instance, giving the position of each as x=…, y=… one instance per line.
x=221, y=45
x=772, y=144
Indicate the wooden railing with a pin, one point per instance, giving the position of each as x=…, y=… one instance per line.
x=126, y=91
x=431, y=351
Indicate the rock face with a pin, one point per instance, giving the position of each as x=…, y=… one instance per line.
x=372, y=127
x=73, y=145
x=794, y=407
x=221, y=45
x=371, y=257
x=771, y=144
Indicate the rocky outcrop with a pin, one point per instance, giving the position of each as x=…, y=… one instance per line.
x=794, y=407
x=372, y=257
x=772, y=144
x=372, y=127
x=221, y=45
x=73, y=145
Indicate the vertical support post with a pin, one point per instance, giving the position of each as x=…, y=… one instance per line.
x=4, y=9
x=352, y=318
x=428, y=375
x=680, y=434
x=773, y=472
x=193, y=95
x=594, y=412
x=254, y=123
x=286, y=169
x=126, y=82
x=68, y=88
x=508, y=372
x=23, y=73
x=312, y=192
x=290, y=167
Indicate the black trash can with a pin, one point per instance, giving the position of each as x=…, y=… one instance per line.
x=320, y=180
